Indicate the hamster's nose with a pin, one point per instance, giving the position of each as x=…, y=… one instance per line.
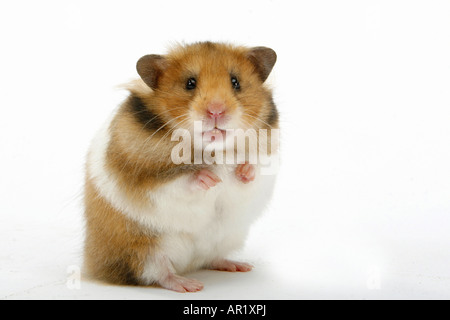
x=216, y=110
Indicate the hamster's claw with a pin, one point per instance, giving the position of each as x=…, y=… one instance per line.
x=205, y=179
x=246, y=172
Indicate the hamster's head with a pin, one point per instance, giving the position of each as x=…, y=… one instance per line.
x=219, y=85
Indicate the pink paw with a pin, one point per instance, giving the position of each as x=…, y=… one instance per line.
x=205, y=179
x=180, y=284
x=231, y=266
x=246, y=172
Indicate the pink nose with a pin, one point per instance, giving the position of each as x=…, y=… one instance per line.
x=215, y=110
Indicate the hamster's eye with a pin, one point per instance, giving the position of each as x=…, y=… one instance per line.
x=191, y=84
x=235, y=83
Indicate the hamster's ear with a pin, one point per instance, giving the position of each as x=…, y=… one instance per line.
x=150, y=68
x=263, y=59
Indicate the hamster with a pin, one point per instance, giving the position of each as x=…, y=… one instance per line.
x=151, y=221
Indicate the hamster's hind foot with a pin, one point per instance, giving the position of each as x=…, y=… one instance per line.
x=231, y=266
x=180, y=284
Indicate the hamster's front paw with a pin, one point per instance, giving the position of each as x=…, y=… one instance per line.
x=205, y=179
x=246, y=172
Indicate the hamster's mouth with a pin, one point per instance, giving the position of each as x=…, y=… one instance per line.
x=215, y=134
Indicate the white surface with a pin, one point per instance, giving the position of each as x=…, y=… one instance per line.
x=362, y=205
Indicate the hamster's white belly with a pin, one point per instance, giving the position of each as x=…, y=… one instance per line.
x=199, y=226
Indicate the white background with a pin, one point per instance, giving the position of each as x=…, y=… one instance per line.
x=362, y=204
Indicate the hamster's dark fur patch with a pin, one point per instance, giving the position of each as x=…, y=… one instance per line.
x=272, y=120
x=143, y=114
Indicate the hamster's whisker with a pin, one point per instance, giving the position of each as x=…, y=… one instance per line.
x=176, y=126
x=164, y=125
x=256, y=118
x=251, y=125
x=168, y=132
x=144, y=145
x=150, y=121
x=142, y=130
